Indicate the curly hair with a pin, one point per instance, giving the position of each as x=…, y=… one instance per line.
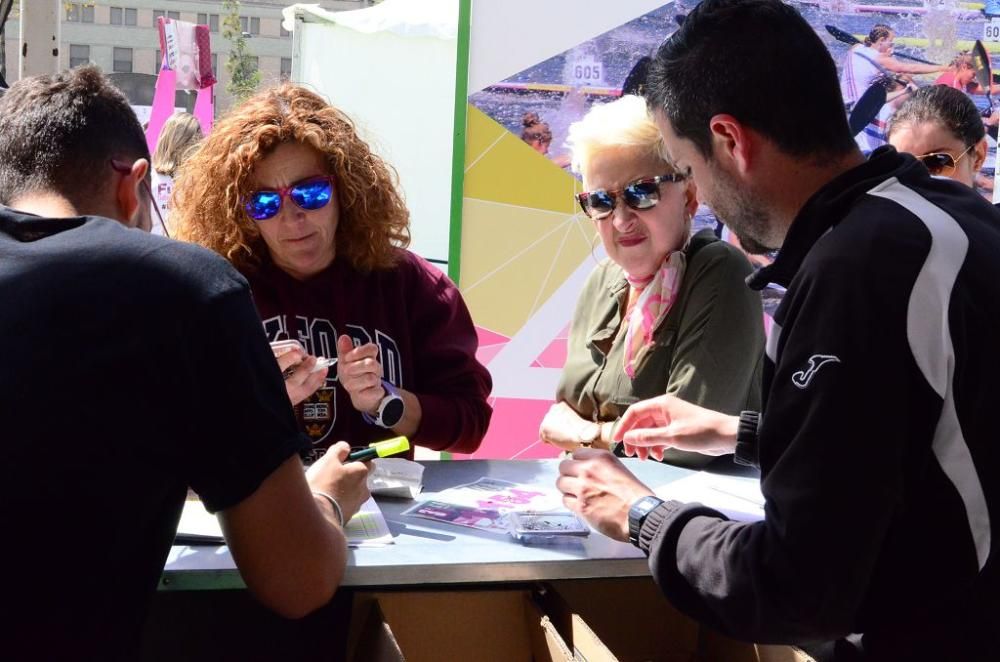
x=208, y=196
x=55, y=128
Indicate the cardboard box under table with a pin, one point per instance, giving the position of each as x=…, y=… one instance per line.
x=595, y=621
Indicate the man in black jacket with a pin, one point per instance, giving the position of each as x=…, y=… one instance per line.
x=876, y=445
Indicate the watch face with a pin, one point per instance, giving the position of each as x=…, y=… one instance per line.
x=392, y=412
x=642, y=507
x=637, y=513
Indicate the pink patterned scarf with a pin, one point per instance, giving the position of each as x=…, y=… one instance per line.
x=657, y=294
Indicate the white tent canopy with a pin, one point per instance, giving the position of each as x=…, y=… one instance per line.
x=391, y=67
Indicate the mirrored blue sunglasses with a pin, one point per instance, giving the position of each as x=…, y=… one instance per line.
x=309, y=194
x=639, y=195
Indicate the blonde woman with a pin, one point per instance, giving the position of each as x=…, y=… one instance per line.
x=666, y=312
x=180, y=134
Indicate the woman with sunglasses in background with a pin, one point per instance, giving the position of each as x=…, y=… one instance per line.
x=665, y=312
x=285, y=189
x=942, y=127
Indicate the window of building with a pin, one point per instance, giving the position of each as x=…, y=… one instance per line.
x=250, y=25
x=122, y=60
x=211, y=20
x=254, y=62
x=78, y=55
x=131, y=17
x=284, y=32
x=159, y=13
x=286, y=68
x=73, y=13
x=215, y=65
x=158, y=61
x=86, y=14
x=116, y=16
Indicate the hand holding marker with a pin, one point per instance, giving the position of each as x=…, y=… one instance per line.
x=380, y=449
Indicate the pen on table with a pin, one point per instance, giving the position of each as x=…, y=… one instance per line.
x=380, y=449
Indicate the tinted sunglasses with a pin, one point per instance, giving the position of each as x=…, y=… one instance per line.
x=309, y=194
x=938, y=163
x=639, y=195
x=126, y=169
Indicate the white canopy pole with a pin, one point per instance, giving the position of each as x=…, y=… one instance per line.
x=40, y=35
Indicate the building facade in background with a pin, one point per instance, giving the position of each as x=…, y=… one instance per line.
x=120, y=36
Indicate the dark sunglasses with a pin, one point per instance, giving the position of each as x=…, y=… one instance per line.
x=941, y=162
x=309, y=194
x=126, y=169
x=639, y=195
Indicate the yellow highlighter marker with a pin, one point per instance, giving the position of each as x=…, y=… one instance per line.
x=380, y=449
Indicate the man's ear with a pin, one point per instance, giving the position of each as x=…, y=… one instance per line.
x=127, y=194
x=731, y=142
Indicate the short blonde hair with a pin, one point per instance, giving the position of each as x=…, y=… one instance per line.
x=625, y=122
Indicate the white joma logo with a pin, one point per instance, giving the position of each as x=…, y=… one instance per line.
x=816, y=361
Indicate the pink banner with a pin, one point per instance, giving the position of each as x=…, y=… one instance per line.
x=163, y=106
x=204, y=108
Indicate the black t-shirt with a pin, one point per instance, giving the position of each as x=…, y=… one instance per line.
x=131, y=366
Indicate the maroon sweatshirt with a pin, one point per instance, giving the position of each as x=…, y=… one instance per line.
x=427, y=345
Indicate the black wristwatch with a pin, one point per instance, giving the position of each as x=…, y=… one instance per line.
x=746, y=439
x=390, y=409
x=637, y=515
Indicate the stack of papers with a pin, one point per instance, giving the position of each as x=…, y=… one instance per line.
x=367, y=528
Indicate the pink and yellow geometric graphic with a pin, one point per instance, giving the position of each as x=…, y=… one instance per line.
x=526, y=250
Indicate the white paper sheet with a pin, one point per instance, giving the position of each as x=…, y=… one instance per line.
x=367, y=528
x=735, y=497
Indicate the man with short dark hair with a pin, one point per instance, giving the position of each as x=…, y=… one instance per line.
x=133, y=366
x=876, y=443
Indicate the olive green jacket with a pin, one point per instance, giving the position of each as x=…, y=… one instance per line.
x=709, y=349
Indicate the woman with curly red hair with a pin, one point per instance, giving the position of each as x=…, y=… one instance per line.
x=287, y=191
